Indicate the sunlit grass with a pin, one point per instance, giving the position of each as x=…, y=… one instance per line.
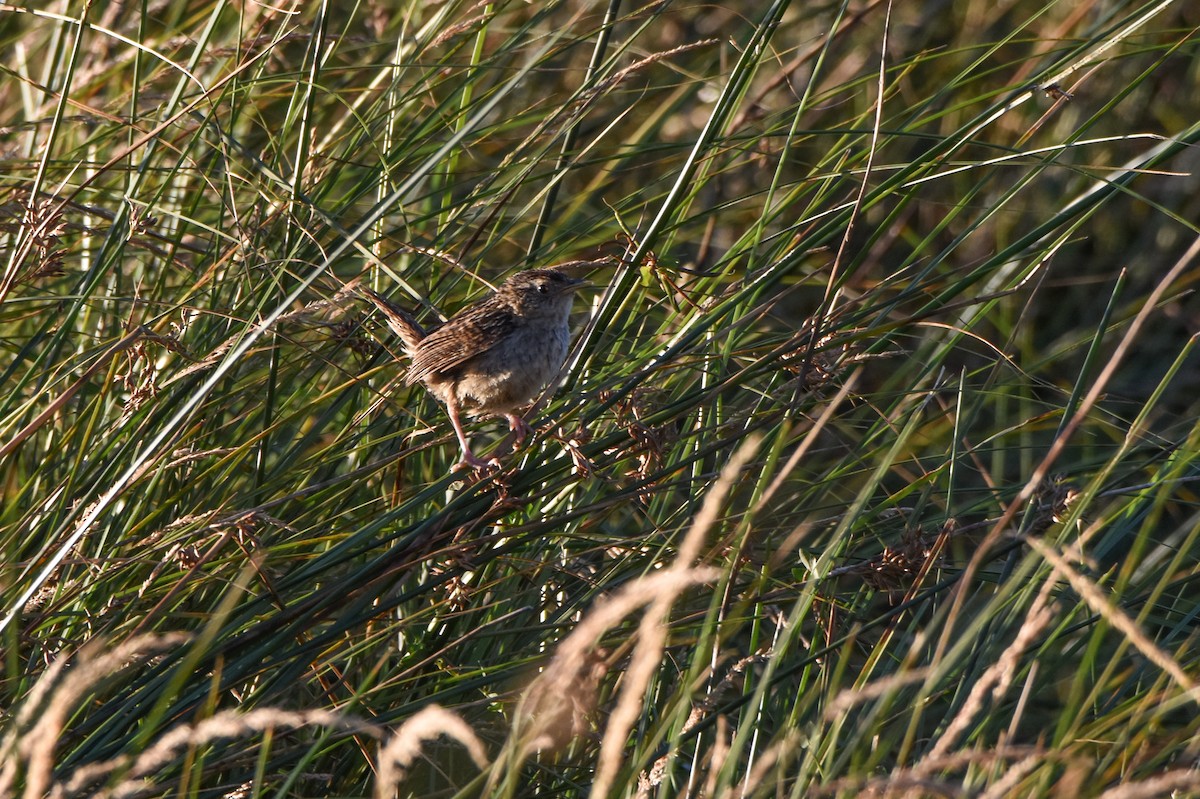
x=928, y=316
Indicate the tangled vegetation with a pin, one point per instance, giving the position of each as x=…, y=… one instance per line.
x=872, y=470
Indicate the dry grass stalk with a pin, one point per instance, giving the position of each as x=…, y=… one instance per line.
x=564, y=713
x=652, y=632
x=1112, y=614
x=762, y=768
x=9, y=761
x=994, y=682
x=1012, y=776
x=404, y=746
x=732, y=682
x=852, y=697
x=558, y=685
x=906, y=781
x=1170, y=783
x=226, y=724
x=35, y=747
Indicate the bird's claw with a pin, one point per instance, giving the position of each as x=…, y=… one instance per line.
x=475, y=463
x=519, y=427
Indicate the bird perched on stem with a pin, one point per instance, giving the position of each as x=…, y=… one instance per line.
x=494, y=356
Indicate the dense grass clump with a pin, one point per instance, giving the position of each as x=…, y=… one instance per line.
x=872, y=470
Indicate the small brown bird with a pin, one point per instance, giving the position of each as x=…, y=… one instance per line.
x=495, y=355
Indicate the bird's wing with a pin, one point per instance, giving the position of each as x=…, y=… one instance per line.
x=469, y=334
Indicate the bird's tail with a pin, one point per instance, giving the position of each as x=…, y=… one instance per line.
x=401, y=323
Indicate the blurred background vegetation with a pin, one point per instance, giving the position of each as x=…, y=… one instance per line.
x=916, y=278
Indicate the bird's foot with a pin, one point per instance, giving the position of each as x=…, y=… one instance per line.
x=520, y=428
x=475, y=463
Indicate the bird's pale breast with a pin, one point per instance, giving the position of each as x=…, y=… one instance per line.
x=514, y=370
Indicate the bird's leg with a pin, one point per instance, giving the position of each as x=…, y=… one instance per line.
x=519, y=428
x=469, y=459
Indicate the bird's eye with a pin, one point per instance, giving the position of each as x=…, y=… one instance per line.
x=542, y=288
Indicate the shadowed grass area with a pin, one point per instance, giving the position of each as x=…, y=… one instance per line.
x=871, y=471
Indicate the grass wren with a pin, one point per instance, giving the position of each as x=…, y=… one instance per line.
x=494, y=356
